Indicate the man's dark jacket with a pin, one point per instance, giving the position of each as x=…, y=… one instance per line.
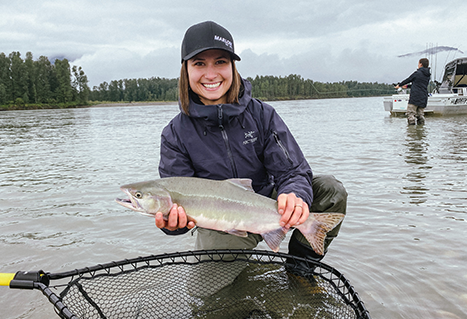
x=419, y=89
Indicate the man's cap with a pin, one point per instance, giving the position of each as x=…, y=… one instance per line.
x=206, y=36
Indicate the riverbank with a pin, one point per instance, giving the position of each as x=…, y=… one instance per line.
x=107, y=104
x=111, y=104
x=75, y=105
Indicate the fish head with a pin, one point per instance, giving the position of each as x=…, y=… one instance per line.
x=146, y=199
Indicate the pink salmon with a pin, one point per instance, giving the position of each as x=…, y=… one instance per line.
x=230, y=206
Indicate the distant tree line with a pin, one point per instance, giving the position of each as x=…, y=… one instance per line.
x=136, y=90
x=295, y=87
x=28, y=83
x=264, y=87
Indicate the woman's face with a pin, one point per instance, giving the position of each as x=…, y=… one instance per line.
x=210, y=75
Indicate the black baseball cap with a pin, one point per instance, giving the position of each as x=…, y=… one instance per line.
x=206, y=36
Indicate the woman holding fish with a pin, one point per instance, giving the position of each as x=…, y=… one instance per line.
x=221, y=132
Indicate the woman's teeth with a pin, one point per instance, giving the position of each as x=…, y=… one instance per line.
x=212, y=86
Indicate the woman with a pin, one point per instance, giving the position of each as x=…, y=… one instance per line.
x=221, y=132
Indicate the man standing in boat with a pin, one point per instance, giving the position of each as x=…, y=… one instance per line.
x=418, y=92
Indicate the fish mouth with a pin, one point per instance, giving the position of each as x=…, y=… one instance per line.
x=129, y=202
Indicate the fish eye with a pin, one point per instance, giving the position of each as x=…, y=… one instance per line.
x=139, y=195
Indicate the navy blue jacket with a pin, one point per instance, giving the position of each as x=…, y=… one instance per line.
x=419, y=89
x=245, y=140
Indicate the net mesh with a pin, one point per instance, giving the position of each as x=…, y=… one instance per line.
x=209, y=284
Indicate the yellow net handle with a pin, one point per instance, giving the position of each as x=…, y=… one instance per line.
x=5, y=279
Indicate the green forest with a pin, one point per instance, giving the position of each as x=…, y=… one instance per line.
x=295, y=87
x=268, y=88
x=28, y=83
x=31, y=84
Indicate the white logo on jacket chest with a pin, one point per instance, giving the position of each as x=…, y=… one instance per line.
x=249, y=137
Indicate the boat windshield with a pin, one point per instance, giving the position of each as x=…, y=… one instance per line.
x=460, y=78
x=455, y=74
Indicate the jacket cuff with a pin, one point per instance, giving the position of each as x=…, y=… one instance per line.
x=179, y=231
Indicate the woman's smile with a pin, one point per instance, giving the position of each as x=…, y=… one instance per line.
x=212, y=86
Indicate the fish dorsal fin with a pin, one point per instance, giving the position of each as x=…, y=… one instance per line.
x=244, y=183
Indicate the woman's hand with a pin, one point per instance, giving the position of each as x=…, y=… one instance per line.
x=294, y=210
x=177, y=219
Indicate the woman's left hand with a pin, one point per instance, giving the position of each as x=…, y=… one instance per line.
x=294, y=210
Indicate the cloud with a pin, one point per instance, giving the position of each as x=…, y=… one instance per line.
x=322, y=40
x=109, y=64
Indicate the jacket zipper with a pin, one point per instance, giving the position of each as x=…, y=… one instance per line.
x=226, y=140
x=281, y=146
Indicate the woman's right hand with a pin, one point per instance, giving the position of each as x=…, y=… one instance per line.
x=177, y=219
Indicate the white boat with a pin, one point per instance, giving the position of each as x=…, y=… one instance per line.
x=448, y=98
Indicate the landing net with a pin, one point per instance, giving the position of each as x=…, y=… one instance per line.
x=205, y=284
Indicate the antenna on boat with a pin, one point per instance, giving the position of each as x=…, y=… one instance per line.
x=431, y=53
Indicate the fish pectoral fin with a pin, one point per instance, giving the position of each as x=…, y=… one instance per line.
x=244, y=183
x=274, y=238
x=236, y=232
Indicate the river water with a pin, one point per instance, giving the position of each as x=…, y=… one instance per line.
x=402, y=245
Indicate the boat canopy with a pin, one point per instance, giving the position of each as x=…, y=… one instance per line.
x=455, y=74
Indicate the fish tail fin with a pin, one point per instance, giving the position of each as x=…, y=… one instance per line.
x=317, y=226
x=274, y=238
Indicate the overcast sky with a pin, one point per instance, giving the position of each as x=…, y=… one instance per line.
x=322, y=40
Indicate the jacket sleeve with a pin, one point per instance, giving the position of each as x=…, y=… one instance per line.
x=284, y=159
x=408, y=80
x=173, y=162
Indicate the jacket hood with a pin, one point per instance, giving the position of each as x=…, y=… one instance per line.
x=210, y=113
x=425, y=71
